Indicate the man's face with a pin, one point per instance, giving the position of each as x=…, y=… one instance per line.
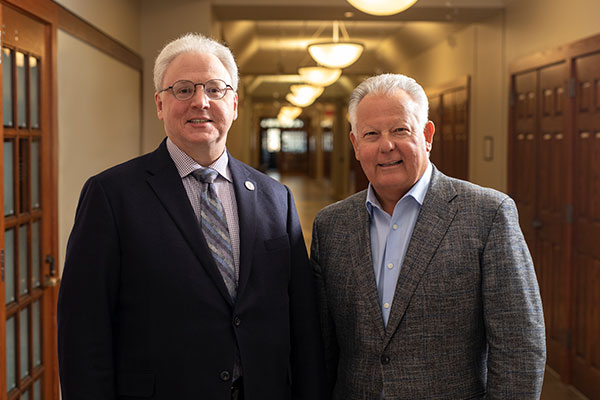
x=390, y=145
x=198, y=126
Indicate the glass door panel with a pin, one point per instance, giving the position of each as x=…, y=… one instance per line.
x=27, y=332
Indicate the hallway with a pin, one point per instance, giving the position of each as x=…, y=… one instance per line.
x=311, y=196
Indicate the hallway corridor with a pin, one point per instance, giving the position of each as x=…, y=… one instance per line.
x=311, y=196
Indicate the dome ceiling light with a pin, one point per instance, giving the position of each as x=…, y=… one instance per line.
x=382, y=7
x=336, y=54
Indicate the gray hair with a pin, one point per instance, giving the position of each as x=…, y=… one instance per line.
x=385, y=84
x=194, y=43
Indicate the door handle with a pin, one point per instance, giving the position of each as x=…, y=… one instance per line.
x=51, y=279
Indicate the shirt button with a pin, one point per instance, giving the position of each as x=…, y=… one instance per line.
x=385, y=359
x=386, y=305
x=394, y=226
x=225, y=375
x=390, y=266
x=237, y=321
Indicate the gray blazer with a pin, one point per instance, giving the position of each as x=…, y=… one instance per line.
x=466, y=321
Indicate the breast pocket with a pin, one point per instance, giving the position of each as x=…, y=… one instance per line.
x=131, y=384
x=278, y=243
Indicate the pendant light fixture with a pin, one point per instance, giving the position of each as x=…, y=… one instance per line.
x=382, y=7
x=336, y=53
x=319, y=76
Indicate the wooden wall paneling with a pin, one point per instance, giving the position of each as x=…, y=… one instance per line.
x=523, y=160
x=461, y=133
x=551, y=210
x=586, y=229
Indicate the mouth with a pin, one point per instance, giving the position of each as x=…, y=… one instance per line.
x=198, y=120
x=390, y=164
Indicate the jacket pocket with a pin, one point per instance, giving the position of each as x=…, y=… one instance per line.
x=278, y=243
x=135, y=384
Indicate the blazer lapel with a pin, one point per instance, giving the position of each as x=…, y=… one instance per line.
x=365, y=274
x=246, y=198
x=166, y=184
x=432, y=224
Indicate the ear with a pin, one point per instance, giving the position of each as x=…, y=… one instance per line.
x=235, y=106
x=159, y=105
x=355, y=146
x=428, y=132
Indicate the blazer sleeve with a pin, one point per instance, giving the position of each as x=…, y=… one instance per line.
x=512, y=310
x=327, y=324
x=87, y=299
x=307, y=365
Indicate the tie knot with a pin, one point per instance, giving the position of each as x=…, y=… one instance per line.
x=205, y=175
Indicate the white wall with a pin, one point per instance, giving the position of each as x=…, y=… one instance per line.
x=99, y=121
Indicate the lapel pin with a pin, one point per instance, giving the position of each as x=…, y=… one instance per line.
x=249, y=185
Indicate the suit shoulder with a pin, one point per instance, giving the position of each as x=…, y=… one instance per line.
x=344, y=208
x=478, y=195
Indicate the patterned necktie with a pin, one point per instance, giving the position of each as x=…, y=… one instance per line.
x=215, y=230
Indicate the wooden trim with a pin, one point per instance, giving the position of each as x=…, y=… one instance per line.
x=81, y=29
x=559, y=54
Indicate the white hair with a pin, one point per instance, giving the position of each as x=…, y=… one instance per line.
x=386, y=84
x=194, y=43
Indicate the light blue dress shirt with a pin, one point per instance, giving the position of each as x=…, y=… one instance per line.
x=390, y=236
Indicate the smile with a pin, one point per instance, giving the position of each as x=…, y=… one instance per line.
x=389, y=164
x=199, y=121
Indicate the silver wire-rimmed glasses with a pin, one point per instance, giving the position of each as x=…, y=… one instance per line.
x=214, y=89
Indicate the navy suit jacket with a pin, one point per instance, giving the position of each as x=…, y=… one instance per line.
x=144, y=313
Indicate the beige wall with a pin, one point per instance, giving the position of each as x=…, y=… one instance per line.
x=538, y=25
x=99, y=121
x=119, y=19
x=161, y=23
x=477, y=51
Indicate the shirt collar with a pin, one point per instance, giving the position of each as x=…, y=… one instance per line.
x=186, y=165
x=417, y=191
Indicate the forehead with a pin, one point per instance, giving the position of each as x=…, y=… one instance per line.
x=386, y=105
x=195, y=67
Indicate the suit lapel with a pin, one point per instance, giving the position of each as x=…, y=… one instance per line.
x=434, y=219
x=365, y=274
x=166, y=184
x=246, y=198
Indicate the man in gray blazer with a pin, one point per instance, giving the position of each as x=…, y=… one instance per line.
x=427, y=288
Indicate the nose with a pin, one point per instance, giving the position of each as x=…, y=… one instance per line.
x=386, y=144
x=199, y=98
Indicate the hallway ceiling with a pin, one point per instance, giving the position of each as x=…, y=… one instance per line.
x=269, y=37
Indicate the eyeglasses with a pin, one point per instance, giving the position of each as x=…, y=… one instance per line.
x=214, y=89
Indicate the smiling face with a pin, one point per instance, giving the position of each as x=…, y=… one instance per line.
x=197, y=126
x=390, y=144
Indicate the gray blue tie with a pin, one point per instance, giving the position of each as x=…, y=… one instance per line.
x=214, y=227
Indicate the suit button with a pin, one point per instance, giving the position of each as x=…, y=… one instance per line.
x=225, y=375
x=385, y=359
x=237, y=321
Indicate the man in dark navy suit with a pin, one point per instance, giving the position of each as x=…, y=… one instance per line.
x=152, y=304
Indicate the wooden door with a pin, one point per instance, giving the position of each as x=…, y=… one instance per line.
x=27, y=307
x=552, y=210
x=538, y=183
x=586, y=228
x=523, y=162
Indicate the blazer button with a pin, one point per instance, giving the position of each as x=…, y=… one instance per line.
x=237, y=321
x=225, y=375
x=385, y=359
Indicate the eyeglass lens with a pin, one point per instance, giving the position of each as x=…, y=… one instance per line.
x=214, y=89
